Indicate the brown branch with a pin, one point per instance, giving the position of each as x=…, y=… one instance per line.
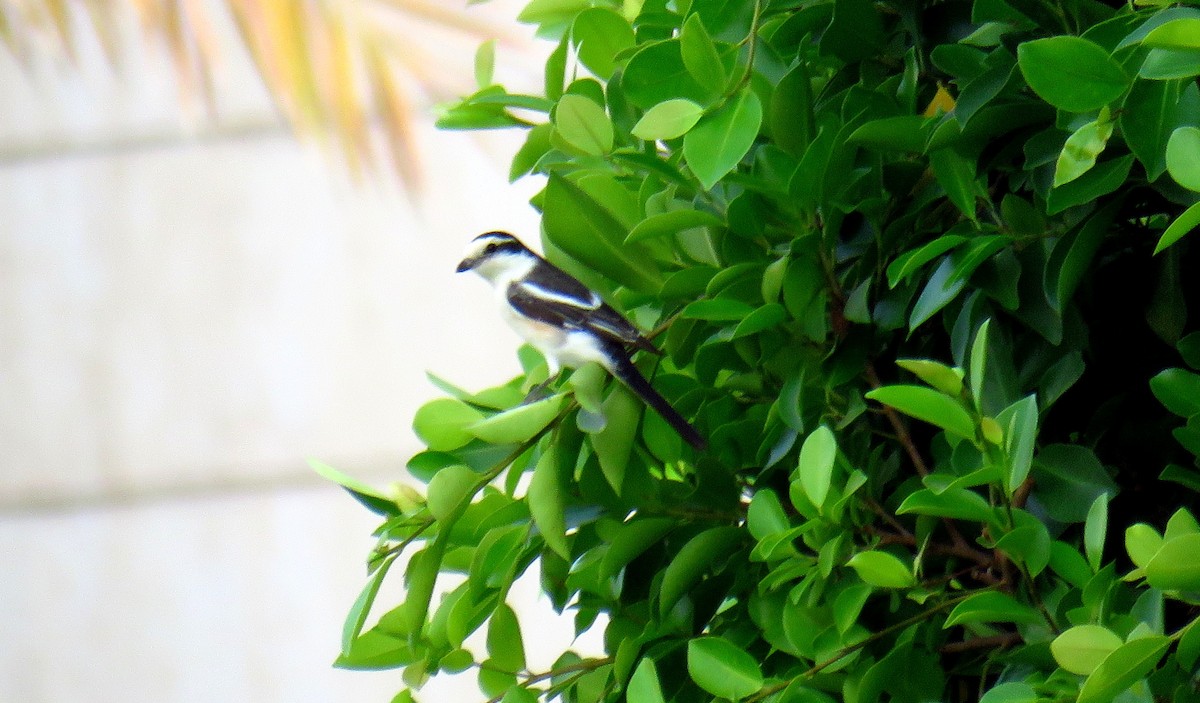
x=1003, y=641
x=898, y=425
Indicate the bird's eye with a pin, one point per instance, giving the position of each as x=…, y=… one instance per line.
x=490, y=248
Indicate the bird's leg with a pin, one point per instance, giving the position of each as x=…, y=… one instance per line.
x=542, y=390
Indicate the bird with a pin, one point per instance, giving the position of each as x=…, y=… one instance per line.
x=566, y=321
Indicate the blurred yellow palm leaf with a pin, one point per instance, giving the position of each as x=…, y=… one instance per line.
x=332, y=66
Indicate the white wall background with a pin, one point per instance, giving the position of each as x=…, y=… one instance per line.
x=188, y=310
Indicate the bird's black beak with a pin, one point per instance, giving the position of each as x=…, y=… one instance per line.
x=465, y=265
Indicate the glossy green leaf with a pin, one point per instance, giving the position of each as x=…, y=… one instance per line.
x=614, y=444
x=763, y=318
x=583, y=125
x=1071, y=73
x=506, y=648
x=911, y=261
x=1150, y=113
x=656, y=73
x=357, y=617
x=979, y=352
x=1183, y=157
x=1183, y=33
x=443, y=424
x=1082, y=648
x=1069, y=478
x=990, y=607
x=722, y=668
x=1094, y=530
x=693, y=560
x=584, y=217
x=957, y=503
x=903, y=133
x=668, y=120
x=882, y=570
x=1121, y=669
x=600, y=35
x=815, y=467
x=1170, y=64
x=644, y=686
x=1175, y=567
x=372, y=499
x=928, y=405
x=672, y=222
x=1083, y=146
x=765, y=516
x=631, y=540
x=548, y=497
x=450, y=489
x=943, y=378
x=1178, y=390
x=956, y=174
x=1180, y=226
x=1019, y=421
x=1100, y=180
x=485, y=63
x=717, y=310
x=720, y=139
x=700, y=55
x=518, y=424
x=790, y=111
x=1011, y=692
x=1142, y=543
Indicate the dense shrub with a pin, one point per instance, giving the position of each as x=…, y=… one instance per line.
x=918, y=270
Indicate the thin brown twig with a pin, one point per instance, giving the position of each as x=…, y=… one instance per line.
x=1003, y=641
x=898, y=425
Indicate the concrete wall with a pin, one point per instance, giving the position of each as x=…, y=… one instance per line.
x=189, y=309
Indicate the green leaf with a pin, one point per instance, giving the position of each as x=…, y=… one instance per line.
x=1183, y=157
x=956, y=174
x=1101, y=180
x=1094, y=530
x=643, y=685
x=376, y=651
x=1170, y=64
x=1071, y=73
x=357, y=616
x=911, y=261
x=631, y=540
x=1182, y=225
x=942, y=288
x=1188, y=650
x=722, y=668
x=1150, y=112
x=1069, y=479
x=519, y=694
x=1019, y=421
x=672, y=222
x=693, y=560
x=1029, y=545
x=374, y=501
x=956, y=503
x=815, y=467
x=990, y=607
x=548, y=496
x=1142, y=542
x=485, y=63
x=928, y=405
x=1175, y=567
x=582, y=217
x=442, y=424
x=656, y=73
x=1011, y=692
x=614, y=443
x=719, y=140
x=668, y=120
x=583, y=125
x=600, y=35
x=1071, y=259
x=505, y=647
x=1083, y=146
x=1178, y=390
x=450, y=489
x=979, y=349
x=765, y=516
x=943, y=378
x=700, y=55
x=763, y=318
x=717, y=310
x=519, y=424
x=1121, y=669
x=1183, y=33
x=790, y=111
x=882, y=570
x=1081, y=649
x=902, y=133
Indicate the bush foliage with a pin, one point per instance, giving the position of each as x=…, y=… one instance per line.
x=918, y=269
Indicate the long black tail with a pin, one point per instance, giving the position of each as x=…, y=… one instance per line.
x=628, y=374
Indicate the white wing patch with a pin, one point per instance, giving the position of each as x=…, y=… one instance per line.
x=593, y=301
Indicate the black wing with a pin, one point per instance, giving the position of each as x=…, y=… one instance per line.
x=551, y=295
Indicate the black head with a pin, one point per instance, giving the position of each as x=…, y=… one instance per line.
x=489, y=245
